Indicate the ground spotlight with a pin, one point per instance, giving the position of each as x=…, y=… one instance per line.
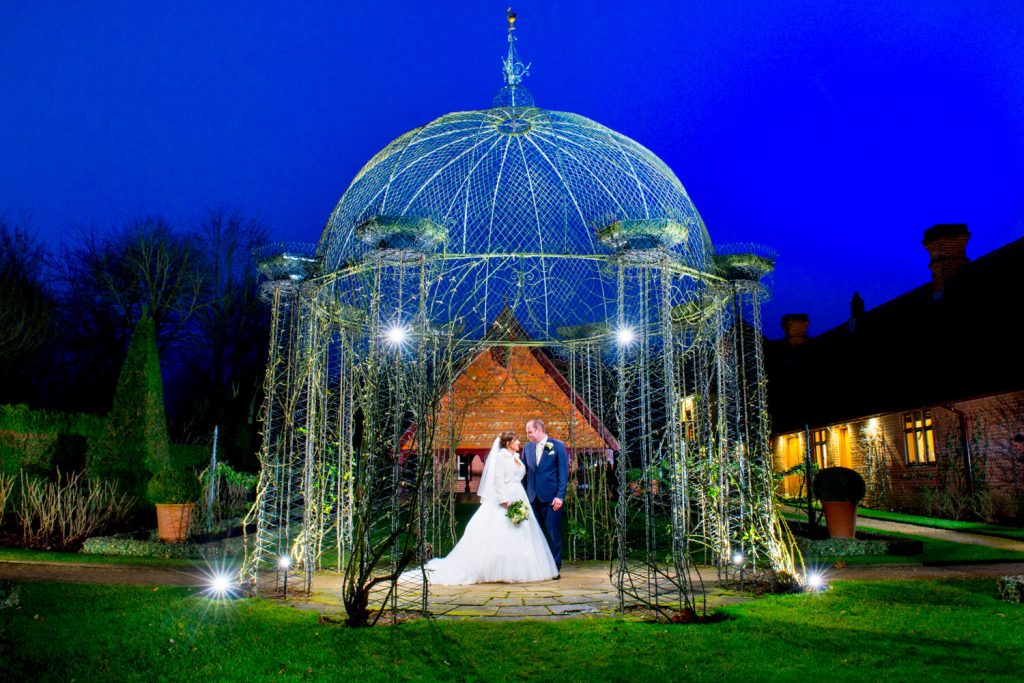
x=815, y=582
x=221, y=585
x=625, y=335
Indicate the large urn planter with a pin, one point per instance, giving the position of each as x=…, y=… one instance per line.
x=174, y=492
x=839, y=489
x=173, y=521
x=840, y=518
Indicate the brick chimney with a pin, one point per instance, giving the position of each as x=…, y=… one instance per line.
x=856, y=311
x=795, y=326
x=947, y=245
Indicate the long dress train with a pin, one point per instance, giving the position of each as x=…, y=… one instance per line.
x=493, y=549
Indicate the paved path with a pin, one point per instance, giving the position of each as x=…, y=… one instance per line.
x=84, y=572
x=585, y=590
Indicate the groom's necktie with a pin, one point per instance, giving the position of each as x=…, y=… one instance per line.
x=540, y=450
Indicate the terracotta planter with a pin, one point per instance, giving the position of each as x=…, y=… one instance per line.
x=637, y=488
x=173, y=521
x=840, y=518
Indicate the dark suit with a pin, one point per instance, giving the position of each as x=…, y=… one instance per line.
x=546, y=481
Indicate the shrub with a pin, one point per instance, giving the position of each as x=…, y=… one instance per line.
x=841, y=547
x=20, y=418
x=130, y=547
x=233, y=493
x=189, y=456
x=134, y=438
x=838, y=484
x=173, y=485
x=62, y=513
x=1011, y=588
x=9, y=598
x=30, y=452
x=41, y=441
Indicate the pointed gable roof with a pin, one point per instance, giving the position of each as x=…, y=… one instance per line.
x=506, y=385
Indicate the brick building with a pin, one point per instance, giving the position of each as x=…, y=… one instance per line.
x=923, y=394
x=505, y=386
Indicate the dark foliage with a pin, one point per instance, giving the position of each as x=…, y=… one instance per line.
x=134, y=441
x=839, y=484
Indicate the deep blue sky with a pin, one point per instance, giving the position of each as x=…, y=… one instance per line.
x=835, y=132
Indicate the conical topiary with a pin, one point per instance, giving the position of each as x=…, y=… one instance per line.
x=134, y=443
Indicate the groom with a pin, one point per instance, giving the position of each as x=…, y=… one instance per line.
x=547, y=474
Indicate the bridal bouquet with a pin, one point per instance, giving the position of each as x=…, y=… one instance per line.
x=517, y=512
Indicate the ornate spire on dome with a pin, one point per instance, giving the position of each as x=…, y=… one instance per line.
x=513, y=94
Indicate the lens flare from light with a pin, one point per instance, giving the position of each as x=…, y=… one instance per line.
x=815, y=581
x=396, y=334
x=221, y=585
x=284, y=562
x=625, y=335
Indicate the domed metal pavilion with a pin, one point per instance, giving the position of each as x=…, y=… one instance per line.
x=588, y=245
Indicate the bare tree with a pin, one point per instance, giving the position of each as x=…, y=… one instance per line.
x=227, y=344
x=111, y=280
x=232, y=318
x=25, y=305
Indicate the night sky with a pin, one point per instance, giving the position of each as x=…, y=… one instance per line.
x=834, y=132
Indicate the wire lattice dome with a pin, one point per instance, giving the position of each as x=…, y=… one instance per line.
x=516, y=180
x=494, y=266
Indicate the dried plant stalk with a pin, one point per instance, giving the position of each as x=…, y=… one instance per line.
x=66, y=511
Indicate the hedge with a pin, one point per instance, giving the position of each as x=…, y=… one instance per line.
x=131, y=547
x=40, y=441
x=22, y=419
x=841, y=547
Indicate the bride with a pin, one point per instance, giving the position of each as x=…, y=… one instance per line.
x=493, y=549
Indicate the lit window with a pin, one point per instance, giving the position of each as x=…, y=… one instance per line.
x=920, y=437
x=843, y=440
x=819, y=441
x=794, y=454
x=688, y=414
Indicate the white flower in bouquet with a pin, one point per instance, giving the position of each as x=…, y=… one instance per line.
x=517, y=512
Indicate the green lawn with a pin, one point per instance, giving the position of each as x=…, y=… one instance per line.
x=1015, y=533
x=871, y=631
x=1000, y=530
x=27, y=555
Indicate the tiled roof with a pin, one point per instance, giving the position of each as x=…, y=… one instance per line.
x=915, y=350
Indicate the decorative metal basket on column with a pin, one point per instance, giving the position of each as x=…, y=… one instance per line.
x=514, y=237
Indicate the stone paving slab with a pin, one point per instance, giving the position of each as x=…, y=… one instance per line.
x=472, y=611
x=523, y=611
x=574, y=609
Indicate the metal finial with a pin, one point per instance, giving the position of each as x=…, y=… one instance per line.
x=514, y=68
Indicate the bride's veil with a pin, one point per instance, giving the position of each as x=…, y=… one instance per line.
x=486, y=487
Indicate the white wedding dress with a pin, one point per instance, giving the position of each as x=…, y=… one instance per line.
x=493, y=549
